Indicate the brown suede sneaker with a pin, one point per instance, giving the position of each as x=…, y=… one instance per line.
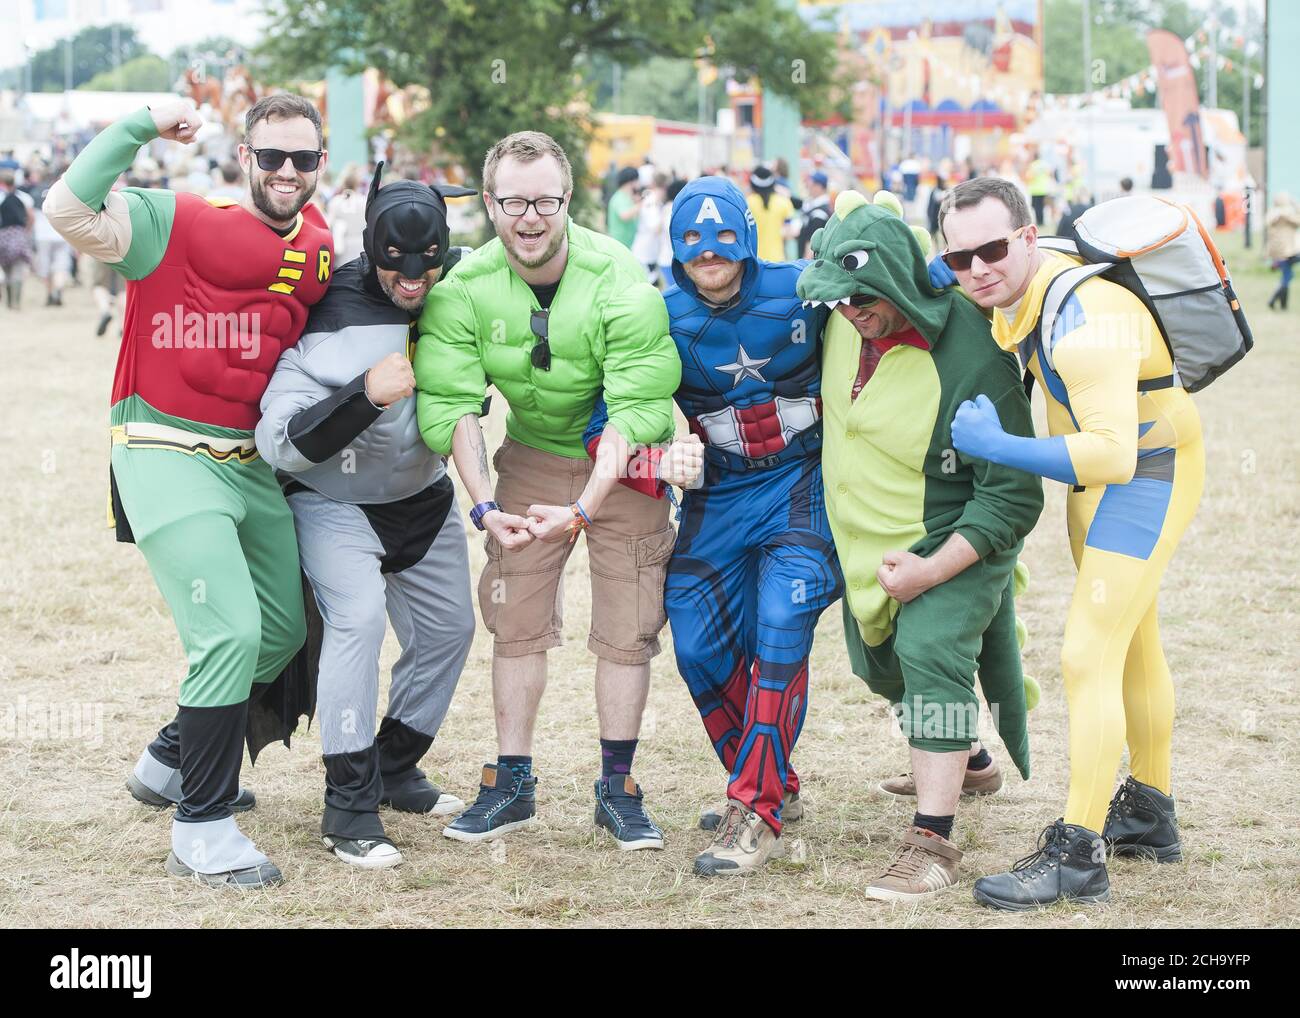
x=923, y=865
x=983, y=782
x=741, y=845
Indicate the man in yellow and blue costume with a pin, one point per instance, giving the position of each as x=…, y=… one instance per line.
x=1127, y=439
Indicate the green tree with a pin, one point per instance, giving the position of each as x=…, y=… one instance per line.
x=148, y=73
x=92, y=53
x=663, y=87
x=497, y=66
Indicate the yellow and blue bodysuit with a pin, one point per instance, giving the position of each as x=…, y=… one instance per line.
x=1129, y=444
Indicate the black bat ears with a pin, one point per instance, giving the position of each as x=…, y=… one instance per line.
x=442, y=190
x=452, y=190
x=374, y=185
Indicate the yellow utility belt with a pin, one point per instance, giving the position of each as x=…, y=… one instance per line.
x=163, y=436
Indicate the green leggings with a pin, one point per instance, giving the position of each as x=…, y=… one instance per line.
x=219, y=540
x=926, y=667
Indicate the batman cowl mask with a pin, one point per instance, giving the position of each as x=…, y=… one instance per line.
x=412, y=218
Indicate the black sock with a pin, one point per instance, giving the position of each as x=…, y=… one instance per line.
x=520, y=766
x=616, y=757
x=979, y=761
x=941, y=826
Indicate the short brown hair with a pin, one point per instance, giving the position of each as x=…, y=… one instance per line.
x=527, y=147
x=972, y=192
x=281, y=106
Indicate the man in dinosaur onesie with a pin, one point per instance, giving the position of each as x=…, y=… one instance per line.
x=927, y=538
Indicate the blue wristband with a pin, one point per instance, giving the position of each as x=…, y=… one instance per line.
x=582, y=512
x=479, y=511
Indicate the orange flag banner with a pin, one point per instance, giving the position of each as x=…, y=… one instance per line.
x=1182, y=105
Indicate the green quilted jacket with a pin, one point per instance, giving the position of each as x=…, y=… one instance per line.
x=608, y=329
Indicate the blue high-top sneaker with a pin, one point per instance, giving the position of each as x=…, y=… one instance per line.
x=505, y=803
x=620, y=809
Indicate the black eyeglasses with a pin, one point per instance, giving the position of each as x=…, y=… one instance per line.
x=541, y=354
x=546, y=206
x=304, y=160
x=990, y=253
x=863, y=300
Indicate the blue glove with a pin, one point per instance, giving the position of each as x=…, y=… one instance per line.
x=977, y=431
x=941, y=277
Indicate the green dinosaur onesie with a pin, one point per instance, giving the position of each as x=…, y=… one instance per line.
x=894, y=482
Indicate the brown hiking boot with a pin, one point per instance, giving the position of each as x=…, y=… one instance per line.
x=791, y=810
x=981, y=782
x=742, y=844
x=923, y=865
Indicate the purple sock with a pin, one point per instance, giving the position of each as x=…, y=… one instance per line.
x=616, y=757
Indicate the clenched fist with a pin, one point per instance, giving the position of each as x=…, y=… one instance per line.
x=390, y=380
x=177, y=121
x=682, y=462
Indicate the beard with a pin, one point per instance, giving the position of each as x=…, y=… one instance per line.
x=271, y=205
x=874, y=323
x=399, y=299
x=711, y=282
x=535, y=261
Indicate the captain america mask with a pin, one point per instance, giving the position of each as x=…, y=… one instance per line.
x=406, y=225
x=710, y=214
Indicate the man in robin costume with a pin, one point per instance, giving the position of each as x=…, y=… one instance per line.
x=216, y=290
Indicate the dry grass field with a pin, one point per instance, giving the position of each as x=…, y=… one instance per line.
x=90, y=663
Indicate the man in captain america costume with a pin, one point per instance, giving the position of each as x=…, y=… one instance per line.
x=754, y=565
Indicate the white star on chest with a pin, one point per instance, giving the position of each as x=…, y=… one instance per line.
x=744, y=367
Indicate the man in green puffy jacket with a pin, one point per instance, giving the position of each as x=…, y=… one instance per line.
x=552, y=313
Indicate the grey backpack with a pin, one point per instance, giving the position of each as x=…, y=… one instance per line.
x=1160, y=251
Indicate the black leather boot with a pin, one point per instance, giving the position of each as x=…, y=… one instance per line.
x=1141, y=822
x=1069, y=865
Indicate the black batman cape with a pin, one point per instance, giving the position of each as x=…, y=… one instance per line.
x=275, y=707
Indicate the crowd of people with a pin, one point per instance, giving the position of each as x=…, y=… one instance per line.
x=638, y=200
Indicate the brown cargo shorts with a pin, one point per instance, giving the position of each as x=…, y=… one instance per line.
x=521, y=593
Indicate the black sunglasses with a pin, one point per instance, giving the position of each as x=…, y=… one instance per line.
x=863, y=300
x=993, y=251
x=541, y=355
x=304, y=160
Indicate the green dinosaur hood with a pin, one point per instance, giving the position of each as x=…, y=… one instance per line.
x=866, y=247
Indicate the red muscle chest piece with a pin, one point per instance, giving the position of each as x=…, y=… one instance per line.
x=203, y=330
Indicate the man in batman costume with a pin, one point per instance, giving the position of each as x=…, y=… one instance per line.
x=378, y=534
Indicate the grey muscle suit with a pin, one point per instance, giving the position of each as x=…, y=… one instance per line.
x=379, y=535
